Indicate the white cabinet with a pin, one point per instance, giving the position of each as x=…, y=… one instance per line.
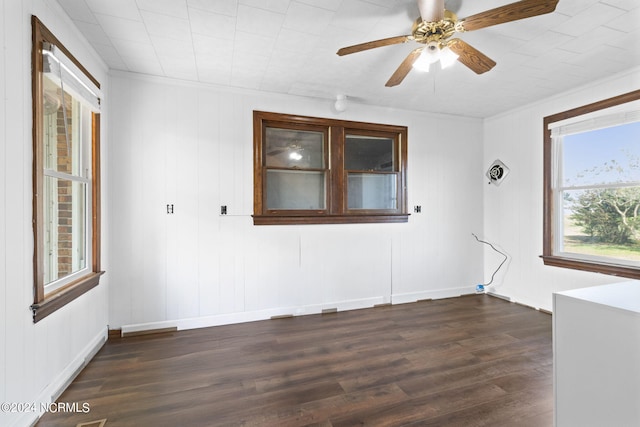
x=596, y=339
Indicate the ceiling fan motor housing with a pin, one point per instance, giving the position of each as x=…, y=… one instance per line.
x=427, y=32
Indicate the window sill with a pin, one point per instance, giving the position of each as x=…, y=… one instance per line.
x=64, y=296
x=596, y=267
x=328, y=219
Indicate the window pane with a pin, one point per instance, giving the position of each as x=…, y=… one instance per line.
x=290, y=148
x=610, y=155
x=65, y=215
x=62, y=144
x=368, y=153
x=602, y=222
x=296, y=190
x=371, y=191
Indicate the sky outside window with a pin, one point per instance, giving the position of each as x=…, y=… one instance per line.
x=600, y=156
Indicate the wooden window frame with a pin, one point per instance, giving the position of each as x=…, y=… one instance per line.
x=336, y=211
x=46, y=304
x=548, y=256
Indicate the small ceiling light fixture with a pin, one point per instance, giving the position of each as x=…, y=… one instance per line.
x=341, y=103
x=433, y=53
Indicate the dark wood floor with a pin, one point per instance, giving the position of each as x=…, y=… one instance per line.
x=470, y=361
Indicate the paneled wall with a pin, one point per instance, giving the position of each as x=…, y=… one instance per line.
x=513, y=211
x=36, y=360
x=191, y=146
x=167, y=142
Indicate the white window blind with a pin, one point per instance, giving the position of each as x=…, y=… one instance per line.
x=613, y=116
x=61, y=69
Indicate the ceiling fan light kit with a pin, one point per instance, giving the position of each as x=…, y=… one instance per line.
x=447, y=57
x=433, y=53
x=437, y=25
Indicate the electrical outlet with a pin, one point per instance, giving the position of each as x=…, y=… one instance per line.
x=223, y=210
x=417, y=209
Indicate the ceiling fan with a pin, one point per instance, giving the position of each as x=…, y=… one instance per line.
x=436, y=26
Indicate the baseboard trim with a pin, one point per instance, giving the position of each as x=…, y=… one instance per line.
x=492, y=294
x=55, y=389
x=506, y=298
x=286, y=312
x=281, y=316
x=251, y=316
x=148, y=332
x=429, y=295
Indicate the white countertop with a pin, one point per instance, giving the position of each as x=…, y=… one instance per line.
x=623, y=295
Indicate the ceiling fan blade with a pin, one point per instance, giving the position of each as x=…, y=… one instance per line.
x=431, y=10
x=404, y=68
x=372, y=45
x=471, y=57
x=510, y=12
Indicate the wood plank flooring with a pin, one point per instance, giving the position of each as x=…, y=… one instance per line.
x=469, y=361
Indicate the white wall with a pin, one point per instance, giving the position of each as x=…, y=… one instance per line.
x=191, y=146
x=513, y=211
x=35, y=359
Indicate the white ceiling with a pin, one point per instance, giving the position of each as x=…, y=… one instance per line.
x=289, y=46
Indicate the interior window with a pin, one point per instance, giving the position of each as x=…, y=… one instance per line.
x=371, y=172
x=313, y=170
x=296, y=169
